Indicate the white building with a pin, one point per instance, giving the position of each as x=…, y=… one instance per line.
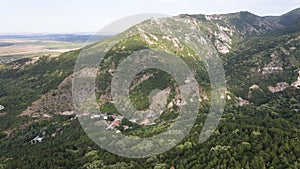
x=94, y=116
x=1, y=107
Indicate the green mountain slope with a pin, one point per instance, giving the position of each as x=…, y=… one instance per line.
x=261, y=61
x=290, y=17
x=264, y=61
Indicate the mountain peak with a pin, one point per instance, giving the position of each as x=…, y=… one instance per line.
x=246, y=13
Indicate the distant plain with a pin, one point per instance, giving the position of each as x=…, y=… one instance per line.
x=14, y=47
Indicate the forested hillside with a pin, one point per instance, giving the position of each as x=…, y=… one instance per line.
x=260, y=127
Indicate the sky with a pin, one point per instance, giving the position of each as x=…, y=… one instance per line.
x=70, y=16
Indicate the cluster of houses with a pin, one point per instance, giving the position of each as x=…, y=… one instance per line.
x=117, y=120
x=103, y=116
x=38, y=139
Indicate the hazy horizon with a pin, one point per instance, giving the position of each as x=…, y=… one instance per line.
x=50, y=17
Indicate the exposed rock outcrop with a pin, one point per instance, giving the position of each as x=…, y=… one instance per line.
x=255, y=87
x=296, y=84
x=252, y=88
x=279, y=87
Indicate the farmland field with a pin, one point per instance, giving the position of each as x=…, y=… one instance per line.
x=13, y=47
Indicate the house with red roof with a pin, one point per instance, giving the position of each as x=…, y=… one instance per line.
x=116, y=122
